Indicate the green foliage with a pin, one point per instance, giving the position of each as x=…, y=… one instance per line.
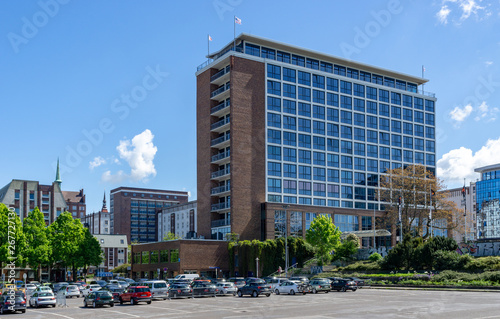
x=324, y=236
x=122, y=269
x=361, y=266
x=483, y=263
x=38, y=248
x=12, y=239
x=170, y=236
x=374, y=257
x=404, y=255
x=346, y=250
x=90, y=252
x=429, y=249
x=451, y=260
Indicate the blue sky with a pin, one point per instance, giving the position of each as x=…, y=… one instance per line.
x=109, y=86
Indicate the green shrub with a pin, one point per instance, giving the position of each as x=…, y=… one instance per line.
x=374, y=257
x=483, y=263
x=493, y=276
x=448, y=260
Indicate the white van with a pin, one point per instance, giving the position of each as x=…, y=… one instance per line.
x=186, y=277
x=159, y=288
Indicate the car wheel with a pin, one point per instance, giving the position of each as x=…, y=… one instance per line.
x=84, y=304
x=315, y=291
x=132, y=301
x=292, y=292
x=121, y=301
x=277, y=292
x=240, y=294
x=112, y=304
x=255, y=294
x=268, y=295
x=36, y=304
x=23, y=311
x=326, y=291
x=148, y=302
x=175, y=296
x=343, y=289
x=1, y=310
x=234, y=293
x=94, y=305
x=354, y=290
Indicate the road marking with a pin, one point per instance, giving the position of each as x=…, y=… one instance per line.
x=122, y=313
x=166, y=308
x=51, y=313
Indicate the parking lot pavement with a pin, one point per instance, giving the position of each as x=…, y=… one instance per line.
x=373, y=303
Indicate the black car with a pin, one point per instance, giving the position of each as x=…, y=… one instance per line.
x=98, y=299
x=359, y=282
x=204, y=289
x=180, y=290
x=9, y=304
x=255, y=289
x=254, y=279
x=115, y=292
x=341, y=284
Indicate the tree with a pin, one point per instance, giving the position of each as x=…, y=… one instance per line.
x=411, y=188
x=90, y=252
x=38, y=248
x=66, y=235
x=12, y=240
x=347, y=248
x=428, y=252
x=122, y=269
x=324, y=236
x=170, y=236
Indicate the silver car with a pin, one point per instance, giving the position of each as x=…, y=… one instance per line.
x=42, y=299
x=73, y=291
x=227, y=288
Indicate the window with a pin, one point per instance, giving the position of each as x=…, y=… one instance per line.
x=346, y=117
x=289, y=75
x=333, y=175
x=332, y=115
x=332, y=145
x=360, y=193
x=419, y=144
x=419, y=158
x=352, y=73
x=407, y=142
x=319, y=189
x=407, y=115
x=407, y=100
x=407, y=128
x=332, y=99
x=333, y=191
x=274, y=185
x=273, y=71
x=396, y=112
x=383, y=124
x=319, y=174
x=365, y=76
x=346, y=177
x=290, y=170
x=418, y=103
x=273, y=104
x=385, y=138
x=318, y=81
x=305, y=109
x=395, y=98
x=304, y=140
x=430, y=146
x=371, y=107
x=283, y=57
x=386, y=166
x=395, y=126
x=319, y=158
x=304, y=125
x=312, y=64
x=383, y=95
x=289, y=107
x=359, y=134
x=304, y=188
x=396, y=154
x=429, y=132
x=273, y=136
x=347, y=192
x=371, y=150
x=359, y=149
x=268, y=53
x=332, y=160
x=346, y=102
x=289, y=187
x=371, y=136
x=304, y=172
x=304, y=201
x=252, y=49
x=429, y=119
x=304, y=94
x=340, y=70
x=419, y=117
x=408, y=156
x=289, y=138
x=345, y=87
x=359, y=163
x=401, y=85
x=304, y=156
x=319, y=127
x=359, y=90
x=346, y=162
x=371, y=165
x=389, y=82
x=298, y=60
x=371, y=93
x=377, y=79
x=304, y=78
x=273, y=87
x=289, y=154
x=332, y=84
x=346, y=147
x=359, y=178
x=319, y=112
x=385, y=152
x=359, y=119
x=289, y=90
x=326, y=67
x=273, y=120
x=318, y=143
x=371, y=121
x=430, y=159
x=359, y=105
x=419, y=130
x=346, y=132
x=289, y=123
x=383, y=110
x=429, y=106
x=274, y=152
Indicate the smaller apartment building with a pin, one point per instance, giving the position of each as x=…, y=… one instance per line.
x=115, y=251
x=179, y=220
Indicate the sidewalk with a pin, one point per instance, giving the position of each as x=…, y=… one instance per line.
x=440, y=288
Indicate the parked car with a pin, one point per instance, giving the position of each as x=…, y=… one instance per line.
x=159, y=289
x=101, y=283
x=226, y=288
x=91, y=288
x=98, y=298
x=136, y=294
x=359, y=282
x=275, y=282
x=180, y=290
x=187, y=276
x=73, y=291
x=289, y=287
x=341, y=284
x=201, y=288
x=238, y=281
x=302, y=279
x=320, y=284
x=43, y=289
x=42, y=299
x=29, y=288
x=115, y=292
x=58, y=285
x=124, y=284
x=255, y=289
x=82, y=285
x=9, y=304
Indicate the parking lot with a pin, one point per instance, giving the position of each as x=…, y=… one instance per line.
x=364, y=303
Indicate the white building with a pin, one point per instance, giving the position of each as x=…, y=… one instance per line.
x=114, y=248
x=179, y=220
x=100, y=222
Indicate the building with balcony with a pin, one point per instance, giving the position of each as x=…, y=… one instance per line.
x=488, y=202
x=179, y=220
x=286, y=133
x=133, y=211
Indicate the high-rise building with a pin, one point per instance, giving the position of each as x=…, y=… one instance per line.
x=99, y=223
x=133, y=211
x=24, y=195
x=286, y=133
x=488, y=202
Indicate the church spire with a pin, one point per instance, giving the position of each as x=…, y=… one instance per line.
x=58, y=176
x=104, y=208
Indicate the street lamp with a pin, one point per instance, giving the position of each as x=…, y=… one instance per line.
x=286, y=240
x=257, y=267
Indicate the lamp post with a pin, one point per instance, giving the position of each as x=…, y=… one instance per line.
x=464, y=202
x=286, y=240
x=257, y=267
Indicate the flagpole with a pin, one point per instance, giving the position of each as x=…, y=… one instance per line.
x=208, y=42
x=422, y=78
x=234, y=33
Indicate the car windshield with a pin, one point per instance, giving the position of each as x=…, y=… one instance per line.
x=160, y=285
x=44, y=294
x=142, y=289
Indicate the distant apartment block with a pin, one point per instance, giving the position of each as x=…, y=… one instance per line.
x=488, y=202
x=466, y=217
x=133, y=211
x=75, y=202
x=179, y=220
x=99, y=223
x=115, y=251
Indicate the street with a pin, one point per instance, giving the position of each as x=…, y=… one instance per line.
x=364, y=303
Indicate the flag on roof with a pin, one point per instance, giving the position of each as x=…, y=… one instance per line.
x=237, y=20
x=209, y=38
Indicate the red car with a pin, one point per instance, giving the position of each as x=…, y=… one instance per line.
x=136, y=294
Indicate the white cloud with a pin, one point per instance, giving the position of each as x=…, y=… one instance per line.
x=98, y=161
x=485, y=112
x=460, y=163
x=488, y=63
x=139, y=154
x=468, y=7
x=460, y=114
x=443, y=13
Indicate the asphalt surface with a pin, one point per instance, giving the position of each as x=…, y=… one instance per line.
x=364, y=303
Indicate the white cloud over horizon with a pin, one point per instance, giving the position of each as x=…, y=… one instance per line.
x=460, y=163
x=467, y=8
x=96, y=162
x=139, y=153
x=460, y=114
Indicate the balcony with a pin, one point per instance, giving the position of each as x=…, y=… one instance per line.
x=220, y=223
x=221, y=125
x=220, y=206
x=221, y=173
x=221, y=77
x=221, y=139
x=221, y=109
x=221, y=189
x=221, y=93
x=221, y=157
